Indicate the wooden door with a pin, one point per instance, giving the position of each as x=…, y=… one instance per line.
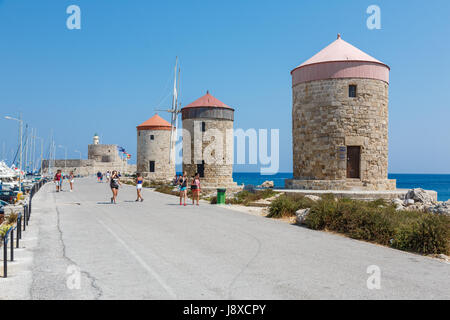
x=353, y=162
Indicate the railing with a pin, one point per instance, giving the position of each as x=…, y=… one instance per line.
x=21, y=225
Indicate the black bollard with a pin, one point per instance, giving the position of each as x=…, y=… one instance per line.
x=18, y=228
x=24, y=217
x=5, y=258
x=12, y=244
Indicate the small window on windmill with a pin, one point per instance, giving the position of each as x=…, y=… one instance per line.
x=352, y=91
x=203, y=126
x=152, y=137
x=151, y=166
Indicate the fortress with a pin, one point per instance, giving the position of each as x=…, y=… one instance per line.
x=101, y=157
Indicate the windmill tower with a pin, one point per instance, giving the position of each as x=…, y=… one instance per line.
x=340, y=121
x=153, y=154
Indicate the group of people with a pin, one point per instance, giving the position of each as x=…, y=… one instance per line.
x=182, y=181
x=59, y=179
x=100, y=176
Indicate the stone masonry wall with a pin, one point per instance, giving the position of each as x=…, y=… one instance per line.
x=325, y=120
x=157, y=150
x=216, y=154
x=88, y=167
x=103, y=153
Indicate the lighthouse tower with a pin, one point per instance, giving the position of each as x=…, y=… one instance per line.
x=153, y=150
x=340, y=121
x=207, y=146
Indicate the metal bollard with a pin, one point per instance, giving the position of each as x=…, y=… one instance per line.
x=12, y=244
x=27, y=217
x=5, y=258
x=18, y=229
x=24, y=217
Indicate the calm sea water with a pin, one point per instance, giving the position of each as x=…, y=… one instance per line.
x=436, y=182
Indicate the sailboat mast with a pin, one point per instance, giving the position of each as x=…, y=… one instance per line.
x=174, y=105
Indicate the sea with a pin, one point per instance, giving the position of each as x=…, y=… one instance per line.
x=436, y=182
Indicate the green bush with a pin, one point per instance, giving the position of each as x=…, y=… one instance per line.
x=379, y=222
x=167, y=190
x=12, y=218
x=430, y=234
x=246, y=197
x=4, y=229
x=281, y=207
x=287, y=205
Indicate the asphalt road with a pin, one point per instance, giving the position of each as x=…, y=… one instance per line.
x=159, y=250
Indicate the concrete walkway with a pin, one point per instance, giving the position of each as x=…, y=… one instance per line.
x=159, y=250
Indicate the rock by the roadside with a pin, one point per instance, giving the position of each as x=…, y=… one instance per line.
x=301, y=216
x=398, y=203
x=443, y=257
x=268, y=184
x=440, y=208
x=409, y=202
x=312, y=197
x=419, y=195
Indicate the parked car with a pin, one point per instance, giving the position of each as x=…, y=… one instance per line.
x=8, y=196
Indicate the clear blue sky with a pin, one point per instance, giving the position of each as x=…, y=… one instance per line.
x=109, y=76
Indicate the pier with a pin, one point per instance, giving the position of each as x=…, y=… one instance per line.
x=80, y=246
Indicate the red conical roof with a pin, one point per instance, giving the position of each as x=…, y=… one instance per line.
x=207, y=101
x=155, y=123
x=340, y=60
x=340, y=50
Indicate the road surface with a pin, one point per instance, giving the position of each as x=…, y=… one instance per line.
x=87, y=248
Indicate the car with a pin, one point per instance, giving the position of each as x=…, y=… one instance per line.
x=8, y=196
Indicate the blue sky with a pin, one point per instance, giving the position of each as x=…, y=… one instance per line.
x=109, y=76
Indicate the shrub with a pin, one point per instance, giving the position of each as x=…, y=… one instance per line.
x=4, y=229
x=167, y=190
x=246, y=197
x=12, y=218
x=430, y=234
x=281, y=207
x=379, y=222
x=288, y=204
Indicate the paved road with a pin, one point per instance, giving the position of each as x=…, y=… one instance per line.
x=159, y=250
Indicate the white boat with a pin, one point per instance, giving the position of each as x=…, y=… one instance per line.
x=8, y=176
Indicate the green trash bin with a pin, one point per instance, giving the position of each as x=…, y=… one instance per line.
x=221, y=195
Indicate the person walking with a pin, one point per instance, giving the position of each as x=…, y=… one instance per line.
x=71, y=180
x=108, y=175
x=99, y=176
x=114, y=184
x=139, y=182
x=183, y=182
x=58, y=180
x=195, y=188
